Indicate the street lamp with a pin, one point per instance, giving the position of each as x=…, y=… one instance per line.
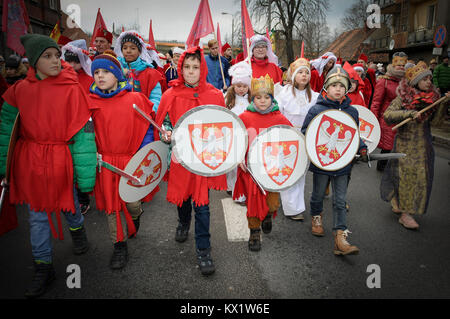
x=232, y=27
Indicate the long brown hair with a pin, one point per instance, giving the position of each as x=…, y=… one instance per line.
x=307, y=88
x=230, y=97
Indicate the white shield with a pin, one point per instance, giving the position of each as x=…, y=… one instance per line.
x=369, y=128
x=332, y=140
x=277, y=157
x=209, y=140
x=149, y=164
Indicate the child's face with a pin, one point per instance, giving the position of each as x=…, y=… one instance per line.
x=336, y=91
x=49, y=63
x=262, y=101
x=353, y=88
x=130, y=52
x=240, y=89
x=302, y=78
x=191, y=71
x=76, y=66
x=425, y=83
x=105, y=80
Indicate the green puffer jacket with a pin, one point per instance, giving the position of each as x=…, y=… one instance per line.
x=82, y=147
x=441, y=76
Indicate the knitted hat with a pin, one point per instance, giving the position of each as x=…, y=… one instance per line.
x=129, y=37
x=363, y=57
x=241, y=73
x=416, y=73
x=108, y=61
x=297, y=65
x=337, y=75
x=262, y=85
x=103, y=33
x=358, y=67
x=35, y=45
x=225, y=47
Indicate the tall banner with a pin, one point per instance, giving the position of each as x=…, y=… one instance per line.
x=15, y=23
x=219, y=41
x=99, y=24
x=247, y=28
x=202, y=26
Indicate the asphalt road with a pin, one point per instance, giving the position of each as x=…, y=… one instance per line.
x=292, y=264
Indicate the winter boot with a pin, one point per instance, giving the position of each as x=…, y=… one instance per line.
x=44, y=274
x=79, y=239
x=254, y=242
x=266, y=224
x=182, y=233
x=120, y=255
x=341, y=245
x=205, y=261
x=317, y=228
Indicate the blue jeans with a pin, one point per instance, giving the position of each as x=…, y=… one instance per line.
x=202, y=215
x=40, y=232
x=339, y=186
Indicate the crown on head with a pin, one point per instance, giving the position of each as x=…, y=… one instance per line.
x=262, y=85
x=300, y=62
x=415, y=71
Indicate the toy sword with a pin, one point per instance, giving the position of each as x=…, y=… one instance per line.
x=381, y=157
x=254, y=179
x=148, y=118
x=117, y=170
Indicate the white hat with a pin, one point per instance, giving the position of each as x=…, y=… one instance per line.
x=241, y=73
x=256, y=39
x=78, y=47
x=320, y=62
x=177, y=50
x=147, y=55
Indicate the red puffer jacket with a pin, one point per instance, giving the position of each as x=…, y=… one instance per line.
x=385, y=92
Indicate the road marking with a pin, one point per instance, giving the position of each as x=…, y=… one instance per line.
x=235, y=220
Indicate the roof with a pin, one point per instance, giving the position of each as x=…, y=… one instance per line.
x=350, y=44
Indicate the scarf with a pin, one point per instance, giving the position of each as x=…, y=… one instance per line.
x=272, y=108
x=122, y=86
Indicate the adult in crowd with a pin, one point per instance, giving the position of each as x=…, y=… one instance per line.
x=227, y=52
x=441, y=76
x=217, y=70
x=103, y=41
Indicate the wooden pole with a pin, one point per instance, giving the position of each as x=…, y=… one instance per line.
x=220, y=64
x=420, y=112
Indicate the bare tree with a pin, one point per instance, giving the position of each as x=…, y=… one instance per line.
x=356, y=16
x=286, y=16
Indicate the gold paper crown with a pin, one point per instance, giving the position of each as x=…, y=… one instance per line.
x=399, y=60
x=415, y=71
x=299, y=63
x=262, y=85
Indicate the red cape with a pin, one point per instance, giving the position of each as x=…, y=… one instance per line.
x=316, y=81
x=51, y=111
x=263, y=67
x=176, y=101
x=148, y=79
x=119, y=131
x=85, y=80
x=255, y=124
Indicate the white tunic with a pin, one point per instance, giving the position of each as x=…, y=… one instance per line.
x=294, y=108
x=241, y=104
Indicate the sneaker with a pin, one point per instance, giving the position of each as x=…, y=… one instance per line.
x=266, y=224
x=44, y=275
x=119, y=257
x=182, y=232
x=254, y=242
x=298, y=217
x=317, y=228
x=79, y=239
x=205, y=262
x=84, y=208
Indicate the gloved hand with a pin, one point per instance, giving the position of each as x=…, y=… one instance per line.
x=364, y=157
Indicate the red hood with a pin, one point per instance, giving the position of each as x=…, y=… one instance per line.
x=203, y=69
x=353, y=75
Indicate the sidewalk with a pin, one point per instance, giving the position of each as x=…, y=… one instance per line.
x=441, y=134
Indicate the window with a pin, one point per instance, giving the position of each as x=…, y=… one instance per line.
x=431, y=16
x=53, y=4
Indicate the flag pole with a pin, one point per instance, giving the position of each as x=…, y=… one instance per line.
x=220, y=64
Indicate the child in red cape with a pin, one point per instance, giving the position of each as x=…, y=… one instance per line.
x=261, y=114
x=188, y=91
x=55, y=150
x=355, y=93
x=119, y=133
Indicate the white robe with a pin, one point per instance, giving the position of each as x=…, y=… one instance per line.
x=241, y=104
x=294, y=108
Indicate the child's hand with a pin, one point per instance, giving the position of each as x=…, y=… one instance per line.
x=167, y=138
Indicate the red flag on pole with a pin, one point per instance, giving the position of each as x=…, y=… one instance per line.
x=151, y=39
x=202, y=26
x=219, y=41
x=247, y=28
x=99, y=24
x=303, y=50
x=15, y=23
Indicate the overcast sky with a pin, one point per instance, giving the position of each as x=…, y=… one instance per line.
x=172, y=19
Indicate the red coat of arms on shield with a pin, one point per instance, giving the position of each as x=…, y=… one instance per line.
x=365, y=128
x=280, y=159
x=211, y=142
x=149, y=169
x=332, y=140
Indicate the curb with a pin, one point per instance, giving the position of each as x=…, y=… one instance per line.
x=441, y=141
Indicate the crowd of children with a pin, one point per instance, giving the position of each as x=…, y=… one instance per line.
x=73, y=107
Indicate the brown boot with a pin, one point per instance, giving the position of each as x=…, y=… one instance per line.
x=317, y=228
x=341, y=245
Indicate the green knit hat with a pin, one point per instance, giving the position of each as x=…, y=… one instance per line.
x=35, y=45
